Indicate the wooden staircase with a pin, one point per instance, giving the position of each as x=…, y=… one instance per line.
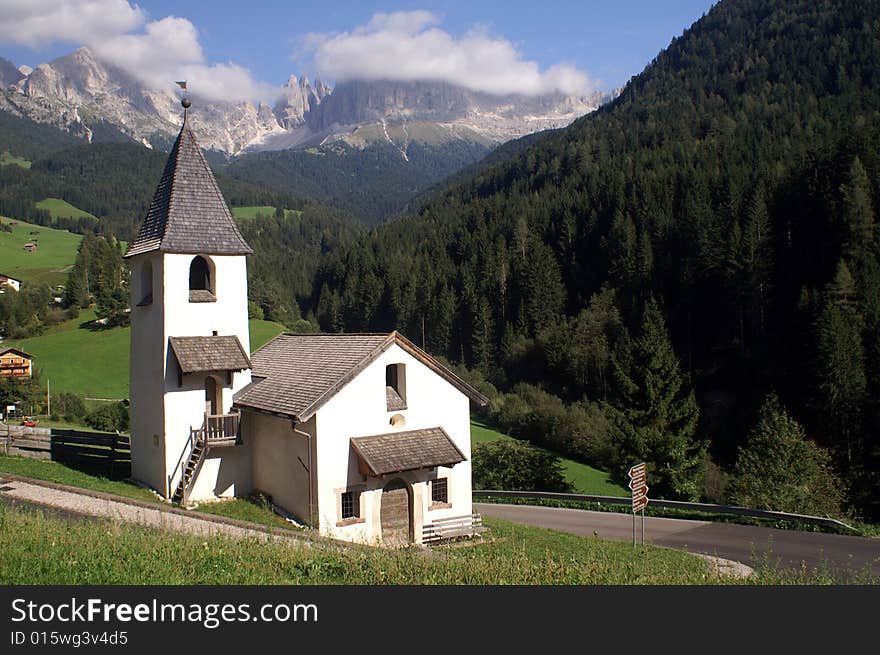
x=190, y=471
x=218, y=431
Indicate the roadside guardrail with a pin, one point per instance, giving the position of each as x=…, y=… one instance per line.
x=825, y=521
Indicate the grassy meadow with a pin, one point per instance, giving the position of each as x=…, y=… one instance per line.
x=248, y=213
x=40, y=548
x=58, y=208
x=7, y=159
x=584, y=478
x=76, y=357
x=55, y=254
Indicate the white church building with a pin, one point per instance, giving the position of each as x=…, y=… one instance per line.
x=362, y=436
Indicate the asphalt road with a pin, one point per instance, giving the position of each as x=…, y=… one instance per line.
x=742, y=543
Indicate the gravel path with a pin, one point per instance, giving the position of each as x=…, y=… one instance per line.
x=99, y=505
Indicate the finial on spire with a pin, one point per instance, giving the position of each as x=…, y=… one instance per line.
x=185, y=102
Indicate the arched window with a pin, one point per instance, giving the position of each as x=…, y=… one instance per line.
x=146, y=283
x=201, y=280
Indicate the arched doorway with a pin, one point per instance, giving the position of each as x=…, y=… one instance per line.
x=396, y=513
x=213, y=404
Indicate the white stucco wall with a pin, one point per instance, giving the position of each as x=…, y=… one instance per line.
x=279, y=459
x=160, y=404
x=359, y=409
x=146, y=382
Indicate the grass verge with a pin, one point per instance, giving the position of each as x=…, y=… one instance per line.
x=61, y=474
x=40, y=548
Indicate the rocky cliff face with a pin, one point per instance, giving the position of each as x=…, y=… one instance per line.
x=9, y=74
x=77, y=91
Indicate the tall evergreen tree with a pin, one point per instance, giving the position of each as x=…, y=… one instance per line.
x=780, y=469
x=654, y=417
x=842, y=380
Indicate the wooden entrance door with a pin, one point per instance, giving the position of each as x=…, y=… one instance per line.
x=212, y=396
x=396, y=514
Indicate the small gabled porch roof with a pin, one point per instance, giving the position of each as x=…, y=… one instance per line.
x=395, y=452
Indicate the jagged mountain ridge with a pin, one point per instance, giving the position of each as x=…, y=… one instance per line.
x=78, y=91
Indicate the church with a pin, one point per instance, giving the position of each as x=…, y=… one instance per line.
x=364, y=437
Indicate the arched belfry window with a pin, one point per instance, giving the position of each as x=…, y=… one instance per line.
x=201, y=280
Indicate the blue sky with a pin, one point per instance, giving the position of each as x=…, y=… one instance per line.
x=607, y=41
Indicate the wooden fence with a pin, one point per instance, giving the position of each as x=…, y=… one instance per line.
x=94, y=452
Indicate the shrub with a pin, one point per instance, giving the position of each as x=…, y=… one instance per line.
x=68, y=405
x=513, y=466
x=108, y=417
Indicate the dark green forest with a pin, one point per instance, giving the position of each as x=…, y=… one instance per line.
x=371, y=183
x=666, y=263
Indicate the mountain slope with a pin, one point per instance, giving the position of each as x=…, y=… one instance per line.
x=371, y=183
x=725, y=181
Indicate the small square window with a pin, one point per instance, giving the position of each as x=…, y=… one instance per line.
x=440, y=491
x=351, y=505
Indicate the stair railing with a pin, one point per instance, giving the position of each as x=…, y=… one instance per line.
x=188, y=447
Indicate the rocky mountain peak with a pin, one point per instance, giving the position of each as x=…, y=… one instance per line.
x=78, y=90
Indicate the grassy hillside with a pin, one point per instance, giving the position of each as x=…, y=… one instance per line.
x=56, y=252
x=262, y=331
x=58, y=208
x=584, y=478
x=7, y=158
x=41, y=549
x=96, y=362
x=265, y=210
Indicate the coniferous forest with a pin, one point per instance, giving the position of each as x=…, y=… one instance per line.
x=666, y=264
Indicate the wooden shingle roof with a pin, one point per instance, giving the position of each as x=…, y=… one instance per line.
x=406, y=451
x=295, y=374
x=217, y=353
x=188, y=213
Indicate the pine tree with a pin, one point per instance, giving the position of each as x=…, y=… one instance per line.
x=842, y=379
x=654, y=418
x=857, y=214
x=780, y=469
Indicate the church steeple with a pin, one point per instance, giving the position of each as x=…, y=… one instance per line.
x=188, y=213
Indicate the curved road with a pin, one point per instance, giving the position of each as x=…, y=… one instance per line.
x=742, y=543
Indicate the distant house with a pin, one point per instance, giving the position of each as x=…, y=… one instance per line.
x=16, y=363
x=6, y=281
x=30, y=246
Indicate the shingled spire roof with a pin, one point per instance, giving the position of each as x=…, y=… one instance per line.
x=188, y=213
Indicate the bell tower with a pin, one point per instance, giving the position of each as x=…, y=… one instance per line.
x=189, y=333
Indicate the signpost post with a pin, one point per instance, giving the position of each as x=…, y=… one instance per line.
x=638, y=485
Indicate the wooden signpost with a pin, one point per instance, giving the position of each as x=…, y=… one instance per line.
x=638, y=483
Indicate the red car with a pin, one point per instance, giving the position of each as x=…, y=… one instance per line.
x=28, y=422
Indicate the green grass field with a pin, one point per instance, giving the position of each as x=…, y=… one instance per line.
x=263, y=331
x=584, y=478
x=55, y=254
x=58, y=208
x=61, y=474
x=96, y=363
x=39, y=548
x=266, y=210
x=7, y=158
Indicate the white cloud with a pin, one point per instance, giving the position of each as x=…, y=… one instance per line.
x=168, y=50
x=409, y=46
x=35, y=23
x=157, y=53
